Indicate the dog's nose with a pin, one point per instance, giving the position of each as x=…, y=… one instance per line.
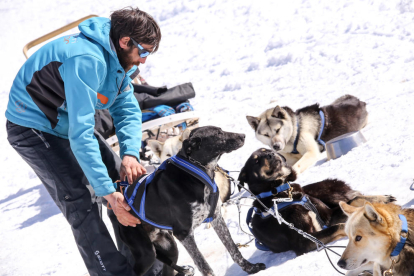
x=276, y=147
x=342, y=263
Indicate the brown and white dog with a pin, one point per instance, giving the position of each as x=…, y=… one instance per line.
x=280, y=128
x=374, y=231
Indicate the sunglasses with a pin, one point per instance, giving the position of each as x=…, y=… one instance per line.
x=141, y=51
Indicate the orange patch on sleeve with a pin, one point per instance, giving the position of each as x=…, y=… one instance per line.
x=102, y=98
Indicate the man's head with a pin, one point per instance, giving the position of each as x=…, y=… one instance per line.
x=134, y=31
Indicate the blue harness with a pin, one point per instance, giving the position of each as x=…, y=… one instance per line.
x=403, y=238
x=304, y=201
x=146, y=180
x=319, y=140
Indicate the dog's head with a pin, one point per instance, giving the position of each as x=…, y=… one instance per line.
x=265, y=170
x=368, y=229
x=171, y=146
x=207, y=144
x=274, y=127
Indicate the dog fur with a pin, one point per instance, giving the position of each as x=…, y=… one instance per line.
x=178, y=194
x=374, y=231
x=164, y=150
x=277, y=128
x=264, y=171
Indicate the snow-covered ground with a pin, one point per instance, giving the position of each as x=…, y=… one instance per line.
x=242, y=57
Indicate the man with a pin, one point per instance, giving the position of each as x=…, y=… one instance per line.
x=51, y=124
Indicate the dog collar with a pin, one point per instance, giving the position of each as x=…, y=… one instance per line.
x=279, y=189
x=403, y=237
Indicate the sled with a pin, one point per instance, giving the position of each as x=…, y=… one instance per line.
x=151, y=129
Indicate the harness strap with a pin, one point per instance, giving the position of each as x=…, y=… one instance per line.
x=319, y=140
x=403, y=237
x=304, y=201
x=259, y=245
x=147, y=179
x=279, y=189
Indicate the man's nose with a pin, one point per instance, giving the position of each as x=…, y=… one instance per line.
x=142, y=60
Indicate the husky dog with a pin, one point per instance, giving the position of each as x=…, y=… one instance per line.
x=296, y=134
x=374, y=230
x=265, y=171
x=171, y=146
x=182, y=200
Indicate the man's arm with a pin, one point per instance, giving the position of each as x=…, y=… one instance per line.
x=82, y=77
x=127, y=120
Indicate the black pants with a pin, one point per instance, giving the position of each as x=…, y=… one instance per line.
x=53, y=161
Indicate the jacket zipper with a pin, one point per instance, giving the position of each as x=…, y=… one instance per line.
x=119, y=90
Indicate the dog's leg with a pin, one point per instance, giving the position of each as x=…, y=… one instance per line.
x=291, y=159
x=190, y=245
x=311, y=155
x=141, y=247
x=359, y=201
x=223, y=232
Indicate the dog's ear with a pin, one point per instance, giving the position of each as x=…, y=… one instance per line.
x=347, y=209
x=185, y=134
x=156, y=146
x=279, y=113
x=292, y=176
x=190, y=144
x=242, y=177
x=253, y=122
x=371, y=214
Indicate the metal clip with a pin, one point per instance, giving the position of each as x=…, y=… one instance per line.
x=275, y=211
x=389, y=271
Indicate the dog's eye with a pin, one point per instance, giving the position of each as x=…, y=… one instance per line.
x=358, y=238
x=168, y=155
x=277, y=130
x=266, y=135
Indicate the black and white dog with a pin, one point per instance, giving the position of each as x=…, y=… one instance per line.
x=267, y=170
x=180, y=200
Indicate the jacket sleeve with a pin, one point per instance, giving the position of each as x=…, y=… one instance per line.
x=127, y=120
x=82, y=77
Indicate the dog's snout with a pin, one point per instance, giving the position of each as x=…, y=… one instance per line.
x=276, y=147
x=342, y=263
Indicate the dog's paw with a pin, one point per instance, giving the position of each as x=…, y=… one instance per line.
x=253, y=268
x=389, y=198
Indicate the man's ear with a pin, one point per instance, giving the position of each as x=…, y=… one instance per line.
x=123, y=42
x=347, y=209
x=371, y=214
x=253, y=122
x=279, y=113
x=156, y=146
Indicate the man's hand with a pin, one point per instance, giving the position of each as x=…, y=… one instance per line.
x=131, y=168
x=121, y=208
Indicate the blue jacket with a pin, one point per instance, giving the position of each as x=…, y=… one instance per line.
x=59, y=87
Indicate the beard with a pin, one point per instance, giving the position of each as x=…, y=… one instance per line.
x=125, y=58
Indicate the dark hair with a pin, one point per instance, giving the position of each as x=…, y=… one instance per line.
x=132, y=22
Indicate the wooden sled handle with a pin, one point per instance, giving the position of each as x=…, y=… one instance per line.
x=53, y=34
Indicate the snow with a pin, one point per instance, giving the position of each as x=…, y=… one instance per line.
x=242, y=57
